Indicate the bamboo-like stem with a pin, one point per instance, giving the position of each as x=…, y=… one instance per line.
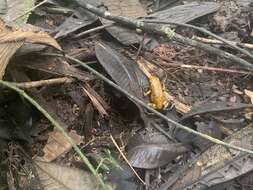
x=203, y=30
x=164, y=31
x=94, y=30
x=57, y=125
x=219, y=42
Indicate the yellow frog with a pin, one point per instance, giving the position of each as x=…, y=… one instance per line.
x=157, y=93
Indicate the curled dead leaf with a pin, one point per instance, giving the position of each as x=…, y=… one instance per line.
x=11, y=39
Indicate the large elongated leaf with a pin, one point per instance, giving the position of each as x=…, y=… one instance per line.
x=79, y=18
x=152, y=150
x=124, y=71
x=185, y=13
x=150, y=156
x=215, y=108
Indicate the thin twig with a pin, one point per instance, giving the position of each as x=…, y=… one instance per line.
x=95, y=102
x=35, y=84
x=140, y=47
x=218, y=42
x=165, y=31
x=28, y=11
x=94, y=30
x=140, y=102
x=126, y=160
x=203, y=30
x=215, y=69
x=57, y=125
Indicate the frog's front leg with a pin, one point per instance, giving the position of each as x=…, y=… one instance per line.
x=147, y=93
x=151, y=104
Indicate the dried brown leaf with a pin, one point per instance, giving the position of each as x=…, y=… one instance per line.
x=6, y=52
x=12, y=39
x=96, y=100
x=57, y=145
x=54, y=177
x=29, y=37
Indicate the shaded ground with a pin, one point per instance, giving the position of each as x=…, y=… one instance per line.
x=95, y=110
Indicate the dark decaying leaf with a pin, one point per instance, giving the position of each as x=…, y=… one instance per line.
x=219, y=164
x=182, y=13
x=79, y=18
x=150, y=156
x=210, y=128
x=152, y=150
x=245, y=182
x=71, y=25
x=58, y=67
x=123, y=71
x=121, y=178
x=214, y=108
x=185, y=13
x=144, y=137
x=129, y=8
x=15, y=121
x=162, y=4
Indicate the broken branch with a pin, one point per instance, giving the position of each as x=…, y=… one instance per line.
x=163, y=31
x=219, y=42
x=203, y=30
x=35, y=84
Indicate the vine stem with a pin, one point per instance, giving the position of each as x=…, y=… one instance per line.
x=23, y=94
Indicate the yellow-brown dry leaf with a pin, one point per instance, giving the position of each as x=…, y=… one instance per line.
x=58, y=177
x=57, y=145
x=29, y=37
x=6, y=52
x=249, y=93
x=12, y=39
